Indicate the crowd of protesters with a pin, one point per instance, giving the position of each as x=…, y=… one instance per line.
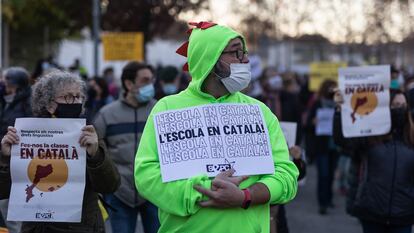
x=375, y=173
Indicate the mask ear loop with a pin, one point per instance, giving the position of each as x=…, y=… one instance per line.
x=214, y=72
x=217, y=68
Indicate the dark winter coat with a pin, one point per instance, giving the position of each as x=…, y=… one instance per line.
x=19, y=107
x=318, y=145
x=384, y=178
x=291, y=110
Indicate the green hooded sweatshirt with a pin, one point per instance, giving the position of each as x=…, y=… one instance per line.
x=177, y=200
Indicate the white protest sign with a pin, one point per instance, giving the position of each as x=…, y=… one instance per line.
x=289, y=130
x=366, y=107
x=213, y=138
x=47, y=170
x=324, y=121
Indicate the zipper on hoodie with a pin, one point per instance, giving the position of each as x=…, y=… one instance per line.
x=393, y=181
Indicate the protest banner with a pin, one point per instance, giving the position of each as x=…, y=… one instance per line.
x=289, y=130
x=324, y=121
x=213, y=138
x=123, y=46
x=47, y=170
x=366, y=107
x=321, y=71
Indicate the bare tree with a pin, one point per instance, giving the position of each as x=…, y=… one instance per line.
x=153, y=17
x=373, y=22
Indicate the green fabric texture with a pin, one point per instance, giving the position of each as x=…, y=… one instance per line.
x=177, y=200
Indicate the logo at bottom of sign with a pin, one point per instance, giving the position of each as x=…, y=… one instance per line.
x=220, y=167
x=44, y=215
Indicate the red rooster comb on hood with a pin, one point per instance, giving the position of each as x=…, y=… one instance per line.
x=182, y=50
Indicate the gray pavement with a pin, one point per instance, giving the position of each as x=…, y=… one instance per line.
x=303, y=216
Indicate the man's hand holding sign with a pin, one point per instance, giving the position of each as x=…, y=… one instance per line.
x=225, y=191
x=198, y=146
x=244, y=142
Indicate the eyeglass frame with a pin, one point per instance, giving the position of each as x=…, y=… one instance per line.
x=237, y=52
x=65, y=97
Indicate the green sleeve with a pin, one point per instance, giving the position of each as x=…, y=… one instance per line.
x=176, y=197
x=282, y=184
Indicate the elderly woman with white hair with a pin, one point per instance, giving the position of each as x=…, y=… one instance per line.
x=62, y=95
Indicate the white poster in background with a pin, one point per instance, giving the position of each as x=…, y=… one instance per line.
x=289, y=130
x=47, y=170
x=324, y=121
x=213, y=138
x=365, y=90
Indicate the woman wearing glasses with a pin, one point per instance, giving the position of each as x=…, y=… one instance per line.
x=62, y=95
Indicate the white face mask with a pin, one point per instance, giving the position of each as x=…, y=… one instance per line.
x=275, y=82
x=145, y=93
x=9, y=98
x=239, y=77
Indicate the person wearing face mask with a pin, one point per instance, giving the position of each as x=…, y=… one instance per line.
x=109, y=76
x=169, y=80
x=62, y=95
x=323, y=147
x=121, y=124
x=14, y=103
x=383, y=200
x=284, y=104
x=395, y=82
x=220, y=70
x=98, y=96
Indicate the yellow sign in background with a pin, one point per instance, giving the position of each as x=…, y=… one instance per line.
x=121, y=46
x=321, y=71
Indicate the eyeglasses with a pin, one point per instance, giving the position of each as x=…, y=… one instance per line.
x=70, y=99
x=239, y=53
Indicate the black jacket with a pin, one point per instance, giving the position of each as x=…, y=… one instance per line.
x=318, y=145
x=385, y=192
x=19, y=107
x=291, y=110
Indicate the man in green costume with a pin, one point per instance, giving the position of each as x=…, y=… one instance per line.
x=218, y=64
